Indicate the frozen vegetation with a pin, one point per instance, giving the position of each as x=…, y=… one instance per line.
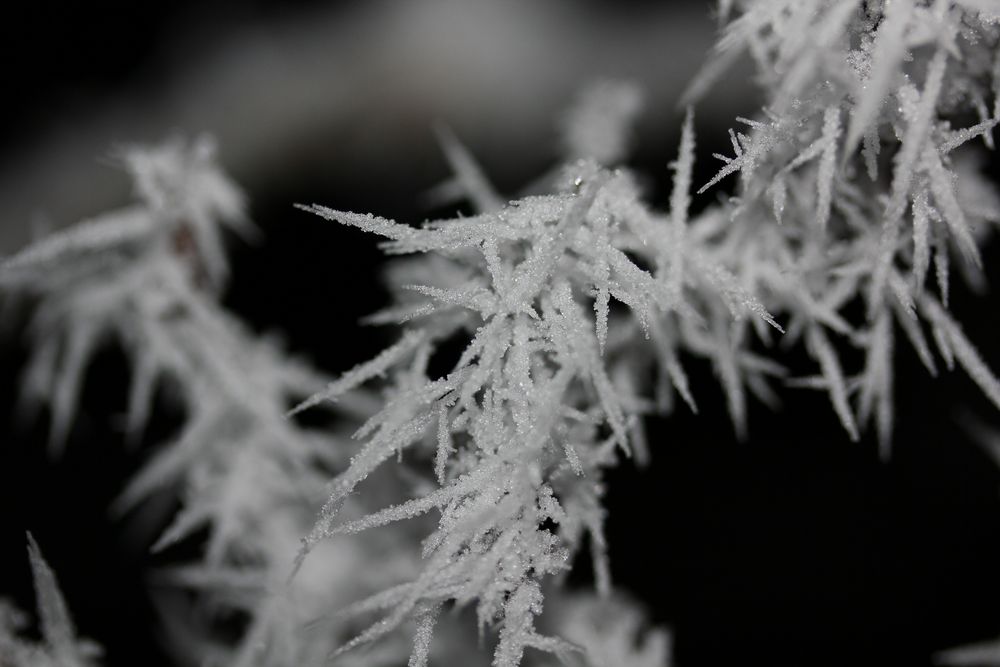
x=574, y=309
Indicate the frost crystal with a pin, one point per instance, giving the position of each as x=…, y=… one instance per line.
x=899, y=72
x=59, y=645
x=548, y=391
x=148, y=277
x=598, y=125
x=530, y=414
x=575, y=310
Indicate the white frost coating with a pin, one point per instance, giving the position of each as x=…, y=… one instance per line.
x=943, y=189
x=902, y=57
x=823, y=352
x=57, y=627
x=779, y=195
x=827, y=165
x=507, y=418
x=914, y=141
x=183, y=183
x=365, y=221
x=887, y=54
x=94, y=237
x=941, y=268
x=921, y=239
x=601, y=309
x=905, y=163
x=680, y=201
x=445, y=447
x=611, y=631
x=598, y=125
x=500, y=460
x=876, y=380
x=59, y=645
x=736, y=296
x=749, y=152
x=364, y=372
x=468, y=175
x=983, y=129
x=114, y=276
x=422, y=638
x=247, y=475
x=870, y=150
x=964, y=351
x=911, y=327
x=809, y=40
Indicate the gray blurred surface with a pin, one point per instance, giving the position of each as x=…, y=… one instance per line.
x=355, y=91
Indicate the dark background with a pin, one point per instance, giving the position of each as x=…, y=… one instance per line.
x=797, y=547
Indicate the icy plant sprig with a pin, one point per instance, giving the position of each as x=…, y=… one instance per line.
x=129, y=275
x=816, y=224
x=610, y=630
x=856, y=160
x=148, y=277
x=852, y=186
x=59, y=645
x=520, y=428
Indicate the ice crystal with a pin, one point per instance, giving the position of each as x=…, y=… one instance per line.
x=522, y=425
x=533, y=298
x=899, y=72
x=59, y=645
x=610, y=631
x=575, y=310
x=125, y=274
x=240, y=468
x=597, y=126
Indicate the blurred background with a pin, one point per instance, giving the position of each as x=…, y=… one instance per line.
x=797, y=547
